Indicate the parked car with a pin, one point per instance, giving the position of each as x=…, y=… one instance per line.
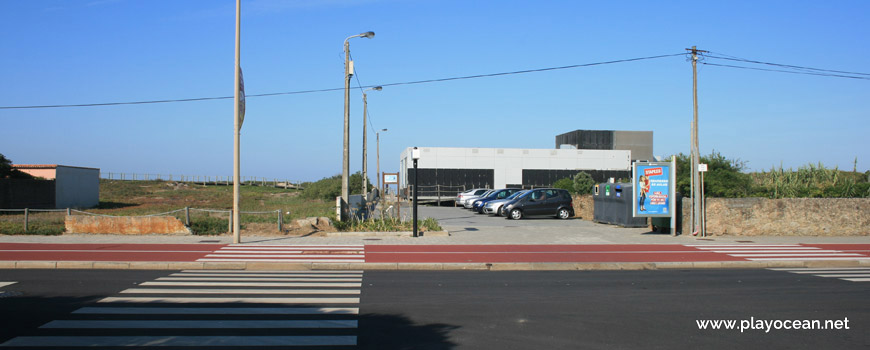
x=470, y=200
x=495, y=206
x=463, y=196
x=478, y=203
x=540, y=202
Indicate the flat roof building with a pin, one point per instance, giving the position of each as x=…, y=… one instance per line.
x=75, y=187
x=640, y=143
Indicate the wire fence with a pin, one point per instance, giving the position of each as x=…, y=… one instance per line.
x=202, y=179
x=200, y=221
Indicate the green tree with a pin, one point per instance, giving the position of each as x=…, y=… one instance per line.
x=724, y=177
x=8, y=172
x=583, y=183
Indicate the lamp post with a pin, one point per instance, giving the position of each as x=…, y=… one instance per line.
x=415, y=154
x=345, y=166
x=378, y=140
x=365, y=158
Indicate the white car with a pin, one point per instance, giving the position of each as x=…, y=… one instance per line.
x=464, y=196
x=468, y=202
x=494, y=207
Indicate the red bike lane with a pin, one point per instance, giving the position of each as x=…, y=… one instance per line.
x=377, y=253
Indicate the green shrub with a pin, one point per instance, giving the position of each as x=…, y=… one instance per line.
x=565, y=184
x=583, y=183
x=209, y=226
x=330, y=187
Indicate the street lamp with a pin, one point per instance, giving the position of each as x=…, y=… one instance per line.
x=345, y=166
x=378, y=139
x=365, y=183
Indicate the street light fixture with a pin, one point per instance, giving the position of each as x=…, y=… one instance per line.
x=365, y=160
x=378, y=139
x=345, y=166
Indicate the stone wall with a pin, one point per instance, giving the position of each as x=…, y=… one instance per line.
x=784, y=217
x=771, y=217
x=125, y=225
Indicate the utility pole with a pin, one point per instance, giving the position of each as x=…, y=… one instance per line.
x=237, y=131
x=697, y=219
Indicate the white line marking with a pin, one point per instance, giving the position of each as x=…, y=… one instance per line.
x=817, y=268
x=802, y=254
x=179, y=340
x=775, y=251
x=279, y=272
x=758, y=248
x=230, y=300
x=170, y=324
x=842, y=275
x=282, y=260
x=260, y=252
x=218, y=310
x=827, y=272
x=260, y=279
x=237, y=291
x=249, y=284
x=743, y=245
x=855, y=258
x=104, y=251
x=295, y=246
x=857, y=279
x=291, y=249
x=4, y=284
x=259, y=275
x=307, y=256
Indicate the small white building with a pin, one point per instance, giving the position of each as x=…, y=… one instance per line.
x=75, y=187
x=451, y=169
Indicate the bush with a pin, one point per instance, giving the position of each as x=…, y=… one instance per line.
x=330, y=187
x=583, y=183
x=565, y=184
x=209, y=226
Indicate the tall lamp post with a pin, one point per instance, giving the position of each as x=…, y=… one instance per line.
x=378, y=140
x=365, y=158
x=345, y=166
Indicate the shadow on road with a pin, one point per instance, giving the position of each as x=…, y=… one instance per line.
x=384, y=332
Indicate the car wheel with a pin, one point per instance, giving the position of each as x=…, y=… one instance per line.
x=563, y=214
x=516, y=214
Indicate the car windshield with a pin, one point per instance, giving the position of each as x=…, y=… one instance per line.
x=524, y=195
x=517, y=194
x=479, y=192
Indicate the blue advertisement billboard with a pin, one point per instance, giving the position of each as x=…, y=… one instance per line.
x=653, y=189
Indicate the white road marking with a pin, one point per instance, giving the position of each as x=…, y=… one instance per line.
x=281, y=260
x=812, y=258
x=178, y=340
x=237, y=291
x=218, y=310
x=258, y=275
x=857, y=279
x=309, y=256
x=804, y=254
x=261, y=279
x=4, y=284
x=792, y=269
x=278, y=272
x=170, y=324
x=253, y=284
x=229, y=300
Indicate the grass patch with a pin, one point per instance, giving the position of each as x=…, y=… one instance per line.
x=33, y=228
x=387, y=225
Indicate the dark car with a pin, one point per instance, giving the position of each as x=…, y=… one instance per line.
x=478, y=203
x=541, y=202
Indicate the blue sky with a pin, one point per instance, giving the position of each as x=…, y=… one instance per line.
x=91, y=51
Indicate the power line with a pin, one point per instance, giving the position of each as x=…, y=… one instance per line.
x=786, y=71
x=340, y=89
x=732, y=58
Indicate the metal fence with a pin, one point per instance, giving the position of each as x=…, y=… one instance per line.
x=200, y=221
x=201, y=179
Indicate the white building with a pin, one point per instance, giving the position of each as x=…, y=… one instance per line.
x=451, y=169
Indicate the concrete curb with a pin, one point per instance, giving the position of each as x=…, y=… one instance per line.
x=388, y=234
x=517, y=266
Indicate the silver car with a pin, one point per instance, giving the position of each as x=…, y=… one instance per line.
x=463, y=196
x=470, y=200
x=494, y=207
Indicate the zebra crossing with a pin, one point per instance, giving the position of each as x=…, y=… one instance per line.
x=288, y=253
x=853, y=274
x=774, y=252
x=215, y=308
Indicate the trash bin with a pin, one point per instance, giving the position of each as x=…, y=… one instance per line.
x=612, y=205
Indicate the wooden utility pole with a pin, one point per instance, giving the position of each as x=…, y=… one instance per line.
x=697, y=219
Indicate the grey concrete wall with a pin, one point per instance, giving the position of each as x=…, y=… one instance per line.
x=26, y=193
x=640, y=143
x=77, y=187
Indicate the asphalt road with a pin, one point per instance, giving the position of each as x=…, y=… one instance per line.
x=484, y=309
